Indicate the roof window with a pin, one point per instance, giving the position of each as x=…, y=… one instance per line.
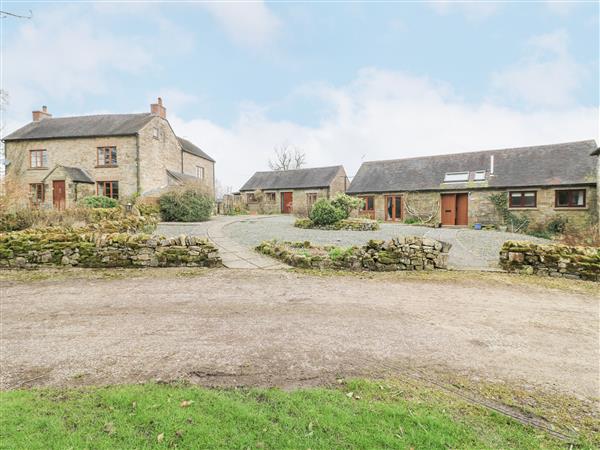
x=479, y=175
x=456, y=177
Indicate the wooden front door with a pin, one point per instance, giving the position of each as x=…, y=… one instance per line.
x=58, y=194
x=287, y=202
x=462, y=209
x=455, y=209
x=393, y=207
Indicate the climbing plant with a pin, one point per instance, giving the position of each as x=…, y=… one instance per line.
x=517, y=223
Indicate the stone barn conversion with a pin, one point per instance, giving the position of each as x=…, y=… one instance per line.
x=117, y=155
x=540, y=182
x=292, y=191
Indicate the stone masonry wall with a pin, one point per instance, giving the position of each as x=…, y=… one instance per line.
x=402, y=253
x=190, y=162
x=482, y=210
x=80, y=152
x=298, y=199
x=553, y=260
x=30, y=249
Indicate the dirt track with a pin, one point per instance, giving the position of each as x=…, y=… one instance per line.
x=252, y=327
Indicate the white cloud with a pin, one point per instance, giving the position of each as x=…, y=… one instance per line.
x=250, y=24
x=382, y=115
x=561, y=8
x=474, y=11
x=547, y=76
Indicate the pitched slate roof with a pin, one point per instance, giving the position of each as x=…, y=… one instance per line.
x=188, y=147
x=74, y=173
x=596, y=152
x=544, y=165
x=82, y=126
x=317, y=177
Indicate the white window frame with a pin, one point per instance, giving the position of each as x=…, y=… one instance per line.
x=449, y=175
x=479, y=175
x=200, y=172
x=156, y=133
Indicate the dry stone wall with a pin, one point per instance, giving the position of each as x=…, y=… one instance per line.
x=402, y=253
x=31, y=249
x=553, y=260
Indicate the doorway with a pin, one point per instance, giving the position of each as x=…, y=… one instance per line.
x=393, y=208
x=455, y=209
x=58, y=194
x=287, y=202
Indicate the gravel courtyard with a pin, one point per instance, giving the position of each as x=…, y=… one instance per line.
x=277, y=327
x=471, y=249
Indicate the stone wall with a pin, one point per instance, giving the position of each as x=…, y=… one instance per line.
x=554, y=260
x=30, y=249
x=76, y=152
x=402, y=253
x=482, y=210
x=190, y=162
x=299, y=201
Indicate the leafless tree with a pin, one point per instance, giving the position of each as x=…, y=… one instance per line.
x=287, y=158
x=5, y=14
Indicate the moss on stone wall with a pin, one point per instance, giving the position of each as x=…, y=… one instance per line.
x=353, y=224
x=33, y=248
x=402, y=253
x=554, y=260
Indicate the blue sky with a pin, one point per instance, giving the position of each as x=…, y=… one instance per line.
x=344, y=82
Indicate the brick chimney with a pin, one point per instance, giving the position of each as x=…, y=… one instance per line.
x=39, y=115
x=158, y=109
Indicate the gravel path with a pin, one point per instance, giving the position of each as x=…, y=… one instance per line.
x=273, y=327
x=470, y=249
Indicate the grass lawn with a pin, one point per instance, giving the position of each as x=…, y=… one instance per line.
x=357, y=414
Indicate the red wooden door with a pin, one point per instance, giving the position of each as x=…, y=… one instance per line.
x=462, y=209
x=287, y=202
x=58, y=194
x=448, y=209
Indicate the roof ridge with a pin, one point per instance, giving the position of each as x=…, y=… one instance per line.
x=297, y=170
x=480, y=151
x=94, y=115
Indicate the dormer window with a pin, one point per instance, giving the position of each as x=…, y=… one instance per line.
x=456, y=177
x=479, y=175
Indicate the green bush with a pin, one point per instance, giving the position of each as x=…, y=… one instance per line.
x=556, y=225
x=412, y=220
x=303, y=223
x=188, y=205
x=324, y=213
x=346, y=204
x=99, y=201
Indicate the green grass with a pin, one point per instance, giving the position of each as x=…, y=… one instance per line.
x=357, y=414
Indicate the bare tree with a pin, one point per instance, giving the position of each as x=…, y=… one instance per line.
x=287, y=158
x=5, y=14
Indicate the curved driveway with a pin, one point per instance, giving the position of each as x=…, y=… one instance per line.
x=237, y=236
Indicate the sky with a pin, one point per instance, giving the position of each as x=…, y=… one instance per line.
x=343, y=82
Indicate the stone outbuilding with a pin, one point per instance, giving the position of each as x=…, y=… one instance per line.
x=292, y=191
x=117, y=155
x=540, y=183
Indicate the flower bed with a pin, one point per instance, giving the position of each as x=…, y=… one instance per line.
x=344, y=224
x=554, y=260
x=402, y=253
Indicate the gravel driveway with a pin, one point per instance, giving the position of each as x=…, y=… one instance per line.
x=257, y=327
x=470, y=249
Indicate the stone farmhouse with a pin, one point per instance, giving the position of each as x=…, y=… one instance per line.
x=116, y=155
x=541, y=182
x=292, y=191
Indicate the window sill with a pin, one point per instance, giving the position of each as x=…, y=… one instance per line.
x=106, y=166
x=37, y=168
x=570, y=208
x=523, y=208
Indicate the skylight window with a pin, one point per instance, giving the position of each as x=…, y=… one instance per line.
x=479, y=175
x=456, y=177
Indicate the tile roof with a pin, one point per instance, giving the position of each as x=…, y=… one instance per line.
x=317, y=177
x=82, y=126
x=544, y=165
x=74, y=173
x=188, y=147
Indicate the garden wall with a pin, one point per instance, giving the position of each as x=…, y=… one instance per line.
x=57, y=247
x=553, y=260
x=402, y=253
